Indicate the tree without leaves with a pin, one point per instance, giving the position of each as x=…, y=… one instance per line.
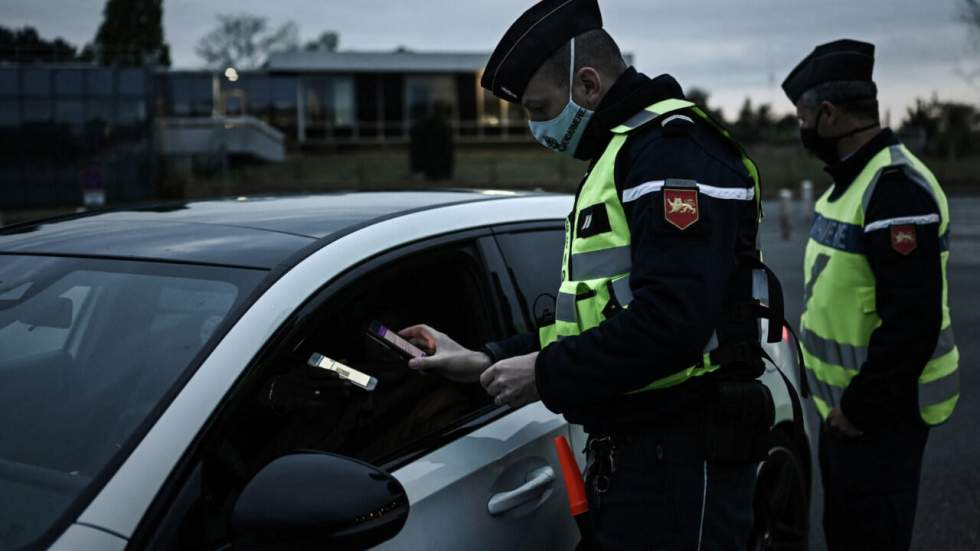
x=244, y=41
x=131, y=33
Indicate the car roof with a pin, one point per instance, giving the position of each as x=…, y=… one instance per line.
x=257, y=232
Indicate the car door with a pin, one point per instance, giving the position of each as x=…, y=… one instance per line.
x=498, y=487
x=477, y=476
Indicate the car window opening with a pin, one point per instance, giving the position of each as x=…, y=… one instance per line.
x=286, y=405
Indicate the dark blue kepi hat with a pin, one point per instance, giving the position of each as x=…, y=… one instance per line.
x=841, y=60
x=532, y=39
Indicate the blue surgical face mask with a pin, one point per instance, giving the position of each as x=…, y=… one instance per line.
x=564, y=132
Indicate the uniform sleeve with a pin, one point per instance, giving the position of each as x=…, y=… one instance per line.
x=908, y=299
x=517, y=345
x=678, y=280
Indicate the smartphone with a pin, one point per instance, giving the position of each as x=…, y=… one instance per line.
x=346, y=373
x=390, y=340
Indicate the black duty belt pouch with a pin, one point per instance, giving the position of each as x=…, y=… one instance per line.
x=738, y=422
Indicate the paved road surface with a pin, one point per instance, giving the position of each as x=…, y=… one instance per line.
x=949, y=498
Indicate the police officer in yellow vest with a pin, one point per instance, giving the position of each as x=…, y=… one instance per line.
x=876, y=330
x=654, y=347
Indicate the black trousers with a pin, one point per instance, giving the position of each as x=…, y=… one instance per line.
x=871, y=486
x=663, y=495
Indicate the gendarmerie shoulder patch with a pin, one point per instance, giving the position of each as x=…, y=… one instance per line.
x=904, y=239
x=681, y=207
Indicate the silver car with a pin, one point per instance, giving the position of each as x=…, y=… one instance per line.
x=156, y=392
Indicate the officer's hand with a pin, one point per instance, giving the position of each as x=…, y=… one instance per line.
x=511, y=381
x=446, y=357
x=839, y=422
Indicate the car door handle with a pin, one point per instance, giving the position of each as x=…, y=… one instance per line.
x=538, y=481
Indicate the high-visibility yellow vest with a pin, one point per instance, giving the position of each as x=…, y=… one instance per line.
x=596, y=269
x=840, y=313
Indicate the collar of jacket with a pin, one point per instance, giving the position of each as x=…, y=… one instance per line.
x=844, y=172
x=631, y=92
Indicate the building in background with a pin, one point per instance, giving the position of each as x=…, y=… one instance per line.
x=68, y=131
x=71, y=131
x=319, y=97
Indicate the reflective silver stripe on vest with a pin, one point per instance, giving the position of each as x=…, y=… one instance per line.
x=945, y=344
x=602, y=263
x=831, y=352
x=712, y=342
x=640, y=119
x=940, y=390
x=853, y=357
x=829, y=393
x=565, y=308
x=931, y=393
x=621, y=288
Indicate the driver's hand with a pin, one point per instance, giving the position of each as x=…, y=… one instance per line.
x=446, y=357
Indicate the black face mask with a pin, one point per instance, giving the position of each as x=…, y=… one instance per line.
x=823, y=147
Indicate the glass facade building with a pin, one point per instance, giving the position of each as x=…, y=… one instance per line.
x=349, y=97
x=342, y=108
x=65, y=128
x=68, y=128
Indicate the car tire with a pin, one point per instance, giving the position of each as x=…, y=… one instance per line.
x=781, y=503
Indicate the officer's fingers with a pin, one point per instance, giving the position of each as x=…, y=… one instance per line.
x=421, y=335
x=424, y=344
x=414, y=331
x=502, y=399
x=430, y=363
x=488, y=376
x=497, y=387
x=516, y=400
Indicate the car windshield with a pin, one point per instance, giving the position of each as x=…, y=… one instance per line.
x=89, y=348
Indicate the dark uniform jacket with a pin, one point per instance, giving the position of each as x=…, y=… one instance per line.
x=681, y=280
x=908, y=296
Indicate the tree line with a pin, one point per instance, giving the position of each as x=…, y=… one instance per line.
x=930, y=126
x=131, y=33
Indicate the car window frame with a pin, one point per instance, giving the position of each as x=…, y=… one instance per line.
x=159, y=515
x=527, y=312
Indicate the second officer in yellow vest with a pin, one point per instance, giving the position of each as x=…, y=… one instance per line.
x=649, y=348
x=876, y=330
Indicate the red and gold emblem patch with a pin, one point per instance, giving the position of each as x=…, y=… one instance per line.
x=681, y=207
x=904, y=239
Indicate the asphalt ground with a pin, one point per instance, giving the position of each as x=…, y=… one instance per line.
x=948, y=514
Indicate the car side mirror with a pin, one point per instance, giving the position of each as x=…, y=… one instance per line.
x=316, y=500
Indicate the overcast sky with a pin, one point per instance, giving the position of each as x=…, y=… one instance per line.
x=733, y=48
